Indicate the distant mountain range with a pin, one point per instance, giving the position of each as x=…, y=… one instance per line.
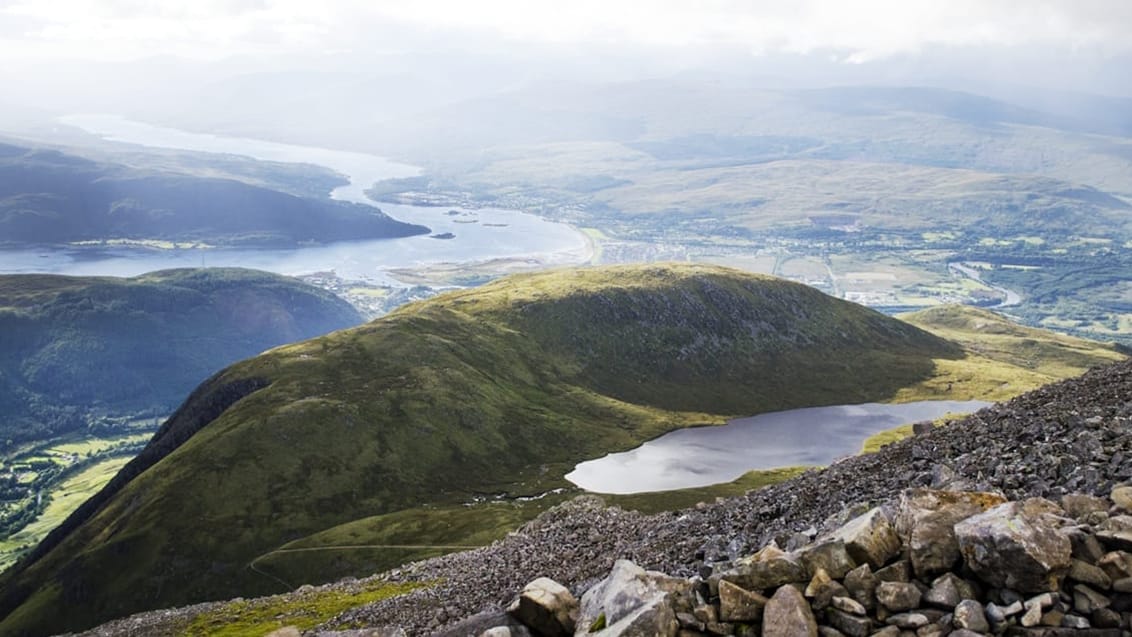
x=492, y=391
x=74, y=348
x=51, y=197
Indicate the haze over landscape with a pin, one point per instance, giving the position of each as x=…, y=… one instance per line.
x=437, y=268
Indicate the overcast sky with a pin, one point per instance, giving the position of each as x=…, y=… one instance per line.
x=855, y=30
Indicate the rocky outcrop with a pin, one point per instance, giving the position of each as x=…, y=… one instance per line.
x=1020, y=568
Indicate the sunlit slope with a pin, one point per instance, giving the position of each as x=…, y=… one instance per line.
x=472, y=392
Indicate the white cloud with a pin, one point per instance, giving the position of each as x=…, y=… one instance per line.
x=861, y=29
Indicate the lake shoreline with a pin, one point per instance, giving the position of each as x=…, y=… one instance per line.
x=702, y=456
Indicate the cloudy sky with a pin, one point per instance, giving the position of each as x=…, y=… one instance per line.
x=856, y=30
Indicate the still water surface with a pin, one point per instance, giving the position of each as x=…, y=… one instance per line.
x=703, y=456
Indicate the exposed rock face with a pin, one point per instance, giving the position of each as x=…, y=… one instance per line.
x=547, y=607
x=632, y=601
x=927, y=519
x=870, y=538
x=788, y=614
x=1009, y=546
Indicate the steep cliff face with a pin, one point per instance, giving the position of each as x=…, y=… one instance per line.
x=469, y=392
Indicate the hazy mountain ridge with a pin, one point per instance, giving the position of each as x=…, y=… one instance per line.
x=495, y=389
x=76, y=347
x=47, y=196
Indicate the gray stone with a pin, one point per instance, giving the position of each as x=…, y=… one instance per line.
x=767, y=569
x=1032, y=616
x=690, y=621
x=870, y=538
x=478, y=624
x=1088, y=574
x=1073, y=621
x=908, y=621
x=899, y=571
x=1116, y=564
x=1105, y=618
x=1078, y=505
x=969, y=615
x=736, y=604
x=822, y=590
x=898, y=596
x=829, y=631
x=632, y=601
x=926, y=518
x=963, y=632
x=831, y=556
x=848, y=605
x=1012, y=546
x=947, y=590
x=862, y=584
x=1086, y=600
x=1122, y=497
x=1085, y=545
x=1117, y=540
x=547, y=607
x=788, y=615
x=852, y=625
x=1123, y=585
x=887, y=631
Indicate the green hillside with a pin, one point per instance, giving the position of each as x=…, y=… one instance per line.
x=379, y=434
x=51, y=197
x=74, y=348
x=498, y=389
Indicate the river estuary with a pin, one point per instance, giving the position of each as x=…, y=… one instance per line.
x=477, y=235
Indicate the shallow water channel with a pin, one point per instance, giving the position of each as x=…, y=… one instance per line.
x=703, y=456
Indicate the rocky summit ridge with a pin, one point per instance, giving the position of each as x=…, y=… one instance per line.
x=1069, y=444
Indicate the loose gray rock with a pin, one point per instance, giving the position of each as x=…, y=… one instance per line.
x=926, y=521
x=1008, y=546
x=737, y=604
x=788, y=615
x=969, y=614
x=870, y=539
x=632, y=601
x=898, y=596
x=547, y=607
x=767, y=569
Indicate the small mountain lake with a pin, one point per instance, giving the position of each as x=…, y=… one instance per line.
x=703, y=456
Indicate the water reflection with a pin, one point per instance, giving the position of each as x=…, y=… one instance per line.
x=710, y=455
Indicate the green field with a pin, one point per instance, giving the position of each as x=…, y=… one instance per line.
x=65, y=498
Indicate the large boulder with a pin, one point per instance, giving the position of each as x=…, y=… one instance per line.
x=926, y=518
x=633, y=602
x=870, y=538
x=546, y=607
x=1016, y=546
x=767, y=569
x=788, y=615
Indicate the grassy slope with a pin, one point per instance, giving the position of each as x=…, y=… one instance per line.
x=67, y=343
x=497, y=389
x=1001, y=359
